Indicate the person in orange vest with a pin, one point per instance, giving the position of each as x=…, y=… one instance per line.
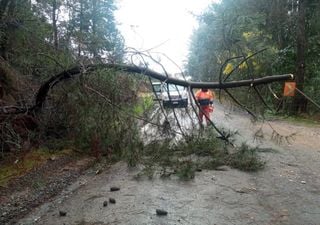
x=205, y=99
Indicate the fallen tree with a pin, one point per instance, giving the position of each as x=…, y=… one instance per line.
x=44, y=89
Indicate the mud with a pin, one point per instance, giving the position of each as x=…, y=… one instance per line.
x=38, y=186
x=287, y=191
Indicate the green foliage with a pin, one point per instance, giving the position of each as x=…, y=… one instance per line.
x=194, y=153
x=93, y=27
x=39, y=40
x=226, y=30
x=93, y=114
x=246, y=158
x=186, y=170
x=240, y=28
x=144, y=105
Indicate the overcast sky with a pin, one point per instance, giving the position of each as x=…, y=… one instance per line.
x=146, y=24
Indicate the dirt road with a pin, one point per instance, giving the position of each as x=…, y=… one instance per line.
x=287, y=191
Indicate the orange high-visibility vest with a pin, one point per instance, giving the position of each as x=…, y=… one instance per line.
x=201, y=95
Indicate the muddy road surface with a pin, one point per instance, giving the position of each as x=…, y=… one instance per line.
x=286, y=192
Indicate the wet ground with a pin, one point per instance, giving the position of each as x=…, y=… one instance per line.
x=287, y=191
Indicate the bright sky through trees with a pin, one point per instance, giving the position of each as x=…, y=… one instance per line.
x=165, y=25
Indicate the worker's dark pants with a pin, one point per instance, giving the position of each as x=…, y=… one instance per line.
x=205, y=111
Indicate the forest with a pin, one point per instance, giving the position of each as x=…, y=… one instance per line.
x=40, y=39
x=79, y=114
x=283, y=35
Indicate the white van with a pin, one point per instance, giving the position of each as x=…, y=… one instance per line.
x=171, y=96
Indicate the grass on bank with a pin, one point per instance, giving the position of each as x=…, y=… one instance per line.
x=304, y=119
x=27, y=162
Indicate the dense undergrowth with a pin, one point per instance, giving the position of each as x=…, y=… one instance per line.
x=94, y=114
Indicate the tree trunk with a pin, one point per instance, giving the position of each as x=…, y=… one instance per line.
x=80, y=28
x=299, y=102
x=94, y=28
x=7, y=9
x=54, y=24
x=3, y=8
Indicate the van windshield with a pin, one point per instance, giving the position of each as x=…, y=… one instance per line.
x=157, y=87
x=173, y=87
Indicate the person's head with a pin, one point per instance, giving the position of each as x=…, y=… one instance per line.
x=204, y=89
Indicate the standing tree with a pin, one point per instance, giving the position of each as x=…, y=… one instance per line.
x=94, y=31
x=50, y=9
x=232, y=30
x=300, y=103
